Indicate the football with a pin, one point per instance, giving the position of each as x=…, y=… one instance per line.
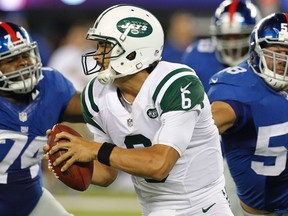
x=79, y=175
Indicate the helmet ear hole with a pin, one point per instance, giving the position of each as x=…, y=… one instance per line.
x=131, y=56
x=252, y=52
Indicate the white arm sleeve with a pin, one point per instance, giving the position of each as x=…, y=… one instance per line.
x=177, y=129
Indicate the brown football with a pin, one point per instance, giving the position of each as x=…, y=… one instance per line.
x=79, y=175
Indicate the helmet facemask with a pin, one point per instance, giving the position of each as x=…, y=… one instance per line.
x=269, y=50
x=24, y=80
x=231, y=51
x=95, y=61
x=270, y=65
x=230, y=30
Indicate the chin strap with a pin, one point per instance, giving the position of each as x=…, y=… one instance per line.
x=104, y=77
x=23, y=86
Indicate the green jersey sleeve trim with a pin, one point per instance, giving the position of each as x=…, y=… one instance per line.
x=179, y=90
x=183, y=94
x=88, y=117
x=166, y=78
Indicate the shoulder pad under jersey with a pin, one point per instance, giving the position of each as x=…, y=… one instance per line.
x=237, y=83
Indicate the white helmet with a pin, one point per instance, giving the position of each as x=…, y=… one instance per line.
x=136, y=37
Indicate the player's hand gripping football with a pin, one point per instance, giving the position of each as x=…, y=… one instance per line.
x=77, y=149
x=77, y=175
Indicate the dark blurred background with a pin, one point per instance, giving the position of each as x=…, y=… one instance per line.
x=52, y=18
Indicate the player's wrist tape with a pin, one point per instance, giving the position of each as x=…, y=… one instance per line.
x=105, y=152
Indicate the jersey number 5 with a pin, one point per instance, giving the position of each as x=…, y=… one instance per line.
x=264, y=148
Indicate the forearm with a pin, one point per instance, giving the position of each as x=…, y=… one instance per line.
x=223, y=115
x=154, y=162
x=103, y=175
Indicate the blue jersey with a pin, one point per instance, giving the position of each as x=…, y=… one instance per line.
x=22, y=136
x=201, y=57
x=256, y=145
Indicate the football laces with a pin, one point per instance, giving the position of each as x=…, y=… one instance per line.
x=50, y=167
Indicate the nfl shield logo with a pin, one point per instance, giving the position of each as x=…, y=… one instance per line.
x=129, y=122
x=23, y=116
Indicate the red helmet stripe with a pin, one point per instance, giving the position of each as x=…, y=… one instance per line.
x=232, y=9
x=286, y=15
x=9, y=30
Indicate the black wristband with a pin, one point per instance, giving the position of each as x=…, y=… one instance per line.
x=105, y=152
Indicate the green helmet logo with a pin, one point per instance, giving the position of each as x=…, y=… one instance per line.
x=136, y=27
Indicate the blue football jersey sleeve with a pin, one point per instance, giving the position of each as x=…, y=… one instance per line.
x=256, y=151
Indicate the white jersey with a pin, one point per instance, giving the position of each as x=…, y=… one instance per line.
x=171, y=109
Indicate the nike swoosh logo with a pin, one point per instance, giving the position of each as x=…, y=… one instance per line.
x=182, y=89
x=205, y=210
x=214, y=80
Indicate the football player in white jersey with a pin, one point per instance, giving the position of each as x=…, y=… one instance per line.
x=151, y=119
x=228, y=45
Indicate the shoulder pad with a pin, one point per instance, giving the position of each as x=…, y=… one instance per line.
x=241, y=75
x=236, y=83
